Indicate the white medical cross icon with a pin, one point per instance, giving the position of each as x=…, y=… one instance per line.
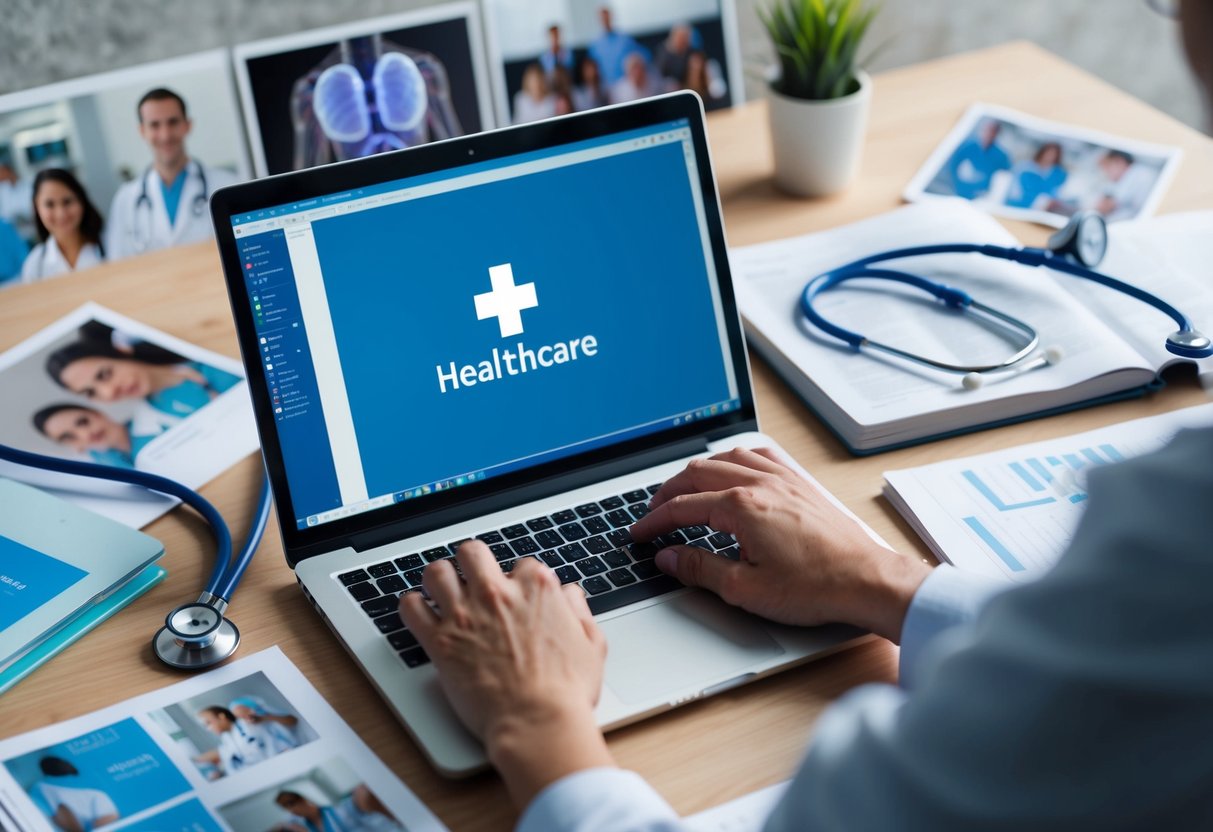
x=506, y=301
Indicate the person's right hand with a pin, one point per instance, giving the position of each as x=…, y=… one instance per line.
x=802, y=561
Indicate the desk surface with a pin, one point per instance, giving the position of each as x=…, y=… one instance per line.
x=704, y=753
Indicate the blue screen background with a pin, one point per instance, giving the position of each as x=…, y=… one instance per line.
x=614, y=250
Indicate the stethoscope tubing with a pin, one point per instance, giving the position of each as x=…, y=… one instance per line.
x=956, y=298
x=226, y=573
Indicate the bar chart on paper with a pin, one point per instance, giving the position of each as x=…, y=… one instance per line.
x=1013, y=512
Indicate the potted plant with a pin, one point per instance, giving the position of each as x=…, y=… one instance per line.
x=819, y=97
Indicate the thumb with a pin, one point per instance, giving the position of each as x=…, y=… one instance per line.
x=696, y=567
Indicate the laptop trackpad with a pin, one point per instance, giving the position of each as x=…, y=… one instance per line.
x=693, y=639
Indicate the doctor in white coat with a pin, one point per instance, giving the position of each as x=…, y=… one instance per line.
x=167, y=205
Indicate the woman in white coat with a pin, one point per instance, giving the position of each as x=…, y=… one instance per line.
x=68, y=227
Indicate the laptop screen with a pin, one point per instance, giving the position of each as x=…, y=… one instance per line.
x=431, y=332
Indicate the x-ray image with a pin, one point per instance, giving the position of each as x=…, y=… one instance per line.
x=364, y=88
x=367, y=96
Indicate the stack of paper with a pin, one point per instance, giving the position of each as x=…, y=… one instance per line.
x=1012, y=513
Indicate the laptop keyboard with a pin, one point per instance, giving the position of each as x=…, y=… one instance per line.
x=587, y=544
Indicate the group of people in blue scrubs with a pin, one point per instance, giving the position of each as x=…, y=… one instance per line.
x=101, y=366
x=1033, y=181
x=1038, y=180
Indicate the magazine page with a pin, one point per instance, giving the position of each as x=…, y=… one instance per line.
x=96, y=386
x=250, y=747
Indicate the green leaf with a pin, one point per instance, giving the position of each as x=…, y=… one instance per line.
x=817, y=43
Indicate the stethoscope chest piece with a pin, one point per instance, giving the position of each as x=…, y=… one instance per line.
x=196, y=636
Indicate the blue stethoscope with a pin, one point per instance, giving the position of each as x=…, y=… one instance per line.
x=1074, y=250
x=196, y=635
x=143, y=201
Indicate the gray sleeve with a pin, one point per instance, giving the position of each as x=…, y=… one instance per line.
x=1082, y=700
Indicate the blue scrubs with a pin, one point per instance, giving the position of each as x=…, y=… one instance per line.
x=116, y=458
x=172, y=195
x=1029, y=181
x=13, y=251
x=189, y=396
x=972, y=165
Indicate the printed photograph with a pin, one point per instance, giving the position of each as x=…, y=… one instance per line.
x=187, y=816
x=84, y=137
x=328, y=798
x=1017, y=166
x=556, y=57
x=234, y=727
x=97, y=387
x=96, y=780
x=364, y=88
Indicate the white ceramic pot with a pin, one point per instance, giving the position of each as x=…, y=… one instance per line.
x=818, y=144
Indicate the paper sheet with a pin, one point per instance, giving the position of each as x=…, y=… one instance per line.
x=1012, y=513
x=159, y=763
x=190, y=432
x=745, y=814
x=771, y=276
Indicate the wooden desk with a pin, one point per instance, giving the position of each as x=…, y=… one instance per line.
x=702, y=754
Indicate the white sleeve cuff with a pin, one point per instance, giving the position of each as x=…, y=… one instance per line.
x=947, y=598
x=599, y=800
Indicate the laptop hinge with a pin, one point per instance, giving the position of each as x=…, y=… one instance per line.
x=526, y=493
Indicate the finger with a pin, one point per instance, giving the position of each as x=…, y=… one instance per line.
x=478, y=565
x=713, y=474
x=717, y=509
x=779, y=464
x=418, y=616
x=441, y=583
x=695, y=567
x=575, y=596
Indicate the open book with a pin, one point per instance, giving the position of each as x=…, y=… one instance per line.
x=1112, y=345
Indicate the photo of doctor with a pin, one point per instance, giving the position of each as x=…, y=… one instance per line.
x=68, y=226
x=166, y=205
x=100, y=371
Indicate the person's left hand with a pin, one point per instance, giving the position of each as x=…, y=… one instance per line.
x=521, y=661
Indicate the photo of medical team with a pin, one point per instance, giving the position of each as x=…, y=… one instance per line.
x=234, y=727
x=328, y=798
x=1048, y=174
x=560, y=56
x=87, y=177
x=102, y=395
x=98, y=779
x=316, y=98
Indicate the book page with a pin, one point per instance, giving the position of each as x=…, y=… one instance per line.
x=250, y=747
x=1168, y=256
x=873, y=388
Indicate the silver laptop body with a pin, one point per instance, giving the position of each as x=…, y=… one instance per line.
x=516, y=336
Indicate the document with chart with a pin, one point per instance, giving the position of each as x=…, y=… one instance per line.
x=1012, y=513
x=250, y=747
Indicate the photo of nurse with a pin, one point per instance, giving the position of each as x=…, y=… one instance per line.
x=102, y=366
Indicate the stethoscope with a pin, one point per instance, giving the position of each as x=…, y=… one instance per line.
x=1074, y=250
x=198, y=206
x=195, y=635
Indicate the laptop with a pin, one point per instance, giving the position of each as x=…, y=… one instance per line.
x=515, y=336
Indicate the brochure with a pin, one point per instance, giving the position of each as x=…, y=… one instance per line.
x=98, y=387
x=250, y=747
